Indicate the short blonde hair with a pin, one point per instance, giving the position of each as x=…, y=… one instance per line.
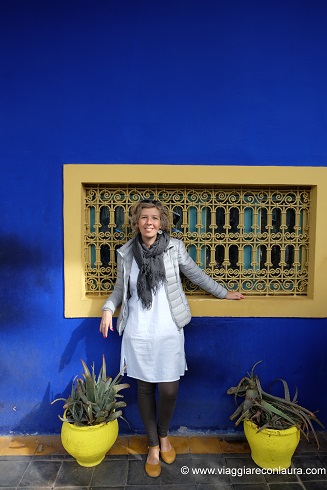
x=149, y=203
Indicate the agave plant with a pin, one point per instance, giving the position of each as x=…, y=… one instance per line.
x=93, y=399
x=269, y=411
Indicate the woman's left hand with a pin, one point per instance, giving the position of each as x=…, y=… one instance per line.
x=234, y=295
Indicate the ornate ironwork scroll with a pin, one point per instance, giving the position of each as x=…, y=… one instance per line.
x=254, y=240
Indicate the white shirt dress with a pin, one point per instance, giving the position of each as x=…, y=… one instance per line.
x=152, y=345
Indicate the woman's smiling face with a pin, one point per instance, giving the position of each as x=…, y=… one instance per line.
x=149, y=224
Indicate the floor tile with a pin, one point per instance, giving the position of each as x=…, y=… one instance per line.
x=40, y=474
x=241, y=456
x=251, y=486
x=310, y=466
x=120, y=446
x=209, y=468
x=207, y=457
x=21, y=445
x=141, y=487
x=4, y=443
x=72, y=473
x=197, y=469
x=11, y=472
x=74, y=488
x=205, y=445
x=38, y=488
x=322, y=438
x=181, y=444
x=228, y=447
x=173, y=487
x=242, y=460
x=214, y=486
x=137, y=475
x=323, y=457
x=49, y=445
x=104, y=488
x=244, y=470
x=315, y=485
x=311, y=445
x=138, y=445
x=6, y=457
x=287, y=486
x=110, y=473
x=284, y=476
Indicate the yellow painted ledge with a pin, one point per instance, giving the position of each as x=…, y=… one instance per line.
x=51, y=445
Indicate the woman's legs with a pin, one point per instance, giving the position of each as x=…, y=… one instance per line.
x=146, y=397
x=166, y=406
x=148, y=409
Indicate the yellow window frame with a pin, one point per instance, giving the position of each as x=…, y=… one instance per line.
x=79, y=305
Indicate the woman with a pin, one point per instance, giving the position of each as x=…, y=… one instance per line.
x=154, y=310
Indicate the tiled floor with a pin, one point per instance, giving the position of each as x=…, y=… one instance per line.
x=203, y=463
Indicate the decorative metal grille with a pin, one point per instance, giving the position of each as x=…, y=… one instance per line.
x=255, y=240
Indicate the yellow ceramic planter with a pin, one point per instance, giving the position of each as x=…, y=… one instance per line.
x=89, y=444
x=271, y=448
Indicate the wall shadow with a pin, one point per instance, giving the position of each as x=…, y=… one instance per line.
x=95, y=346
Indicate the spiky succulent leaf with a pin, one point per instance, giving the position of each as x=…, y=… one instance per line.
x=286, y=389
x=119, y=387
x=93, y=399
x=277, y=411
x=114, y=416
x=89, y=383
x=103, y=371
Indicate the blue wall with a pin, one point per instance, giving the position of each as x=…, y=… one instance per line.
x=147, y=81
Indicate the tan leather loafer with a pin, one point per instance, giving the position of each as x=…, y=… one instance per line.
x=168, y=456
x=152, y=470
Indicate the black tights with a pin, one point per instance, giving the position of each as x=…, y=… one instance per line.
x=148, y=408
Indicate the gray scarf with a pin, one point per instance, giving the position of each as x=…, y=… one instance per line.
x=150, y=262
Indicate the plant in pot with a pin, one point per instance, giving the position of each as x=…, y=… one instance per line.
x=91, y=412
x=272, y=424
